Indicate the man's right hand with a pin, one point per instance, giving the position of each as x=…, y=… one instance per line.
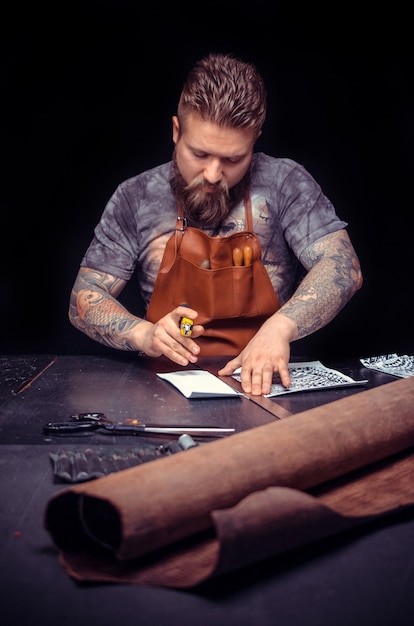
x=95, y=310
x=164, y=337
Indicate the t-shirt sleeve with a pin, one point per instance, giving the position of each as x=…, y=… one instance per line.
x=114, y=247
x=306, y=214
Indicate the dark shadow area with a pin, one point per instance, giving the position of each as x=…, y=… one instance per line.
x=89, y=89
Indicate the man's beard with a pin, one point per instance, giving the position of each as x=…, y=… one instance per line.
x=206, y=208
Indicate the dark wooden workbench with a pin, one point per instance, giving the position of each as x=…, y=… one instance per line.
x=364, y=577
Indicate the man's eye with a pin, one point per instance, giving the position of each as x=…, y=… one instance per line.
x=233, y=161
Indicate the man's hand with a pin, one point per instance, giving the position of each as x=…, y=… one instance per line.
x=164, y=337
x=266, y=353
x=95, y=310
x=334, y=275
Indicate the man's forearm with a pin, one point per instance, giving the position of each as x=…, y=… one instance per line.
x=95, y=310
x=312, y=306
x=103, y=319
x=324, y=291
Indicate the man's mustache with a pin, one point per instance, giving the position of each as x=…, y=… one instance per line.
x=198, y=184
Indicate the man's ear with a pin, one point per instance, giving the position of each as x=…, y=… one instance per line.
x=176, y=128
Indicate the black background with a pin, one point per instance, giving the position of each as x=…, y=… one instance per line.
x=88, y=89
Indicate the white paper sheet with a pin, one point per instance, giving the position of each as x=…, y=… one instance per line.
x=199, y=384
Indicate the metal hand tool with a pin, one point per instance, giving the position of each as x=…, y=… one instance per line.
x=85, y=422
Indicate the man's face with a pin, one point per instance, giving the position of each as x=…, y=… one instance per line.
x=211, y=153
x=211, y=164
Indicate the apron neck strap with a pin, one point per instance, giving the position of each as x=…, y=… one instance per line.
x=248, y=211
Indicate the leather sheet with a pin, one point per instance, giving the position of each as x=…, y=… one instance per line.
x=177, y=521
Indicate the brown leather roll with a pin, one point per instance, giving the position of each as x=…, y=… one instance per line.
x=179, y=520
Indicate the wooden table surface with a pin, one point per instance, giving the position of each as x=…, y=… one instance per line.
x=364, y=577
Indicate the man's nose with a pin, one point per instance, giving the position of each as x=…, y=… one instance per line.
x=213, y=171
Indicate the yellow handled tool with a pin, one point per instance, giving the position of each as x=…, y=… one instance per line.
x=186, y=324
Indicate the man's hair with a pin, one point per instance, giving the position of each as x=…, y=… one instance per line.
x=226, y=91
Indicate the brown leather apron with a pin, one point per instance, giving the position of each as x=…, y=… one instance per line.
x=232, y=301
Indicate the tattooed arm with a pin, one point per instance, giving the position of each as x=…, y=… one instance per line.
x=95, y=310
x=333, y=277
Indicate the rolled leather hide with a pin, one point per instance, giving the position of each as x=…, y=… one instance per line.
x=180, y=520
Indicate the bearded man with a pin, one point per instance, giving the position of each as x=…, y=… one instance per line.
x=215, y=186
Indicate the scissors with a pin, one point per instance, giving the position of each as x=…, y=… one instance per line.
x=86, y=422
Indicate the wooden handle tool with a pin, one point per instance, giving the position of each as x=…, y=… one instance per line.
x=237, y=257
x=247, y=255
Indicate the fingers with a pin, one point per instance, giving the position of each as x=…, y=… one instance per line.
x=175, y=346
x=284, y=375
x=230, y=367
x=184, y=310
x=257, y=380
x=167, y=337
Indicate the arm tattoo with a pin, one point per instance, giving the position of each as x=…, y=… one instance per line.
x=95, y=311
x=334, y=275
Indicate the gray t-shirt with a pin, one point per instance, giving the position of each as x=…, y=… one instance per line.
x=290, y=212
